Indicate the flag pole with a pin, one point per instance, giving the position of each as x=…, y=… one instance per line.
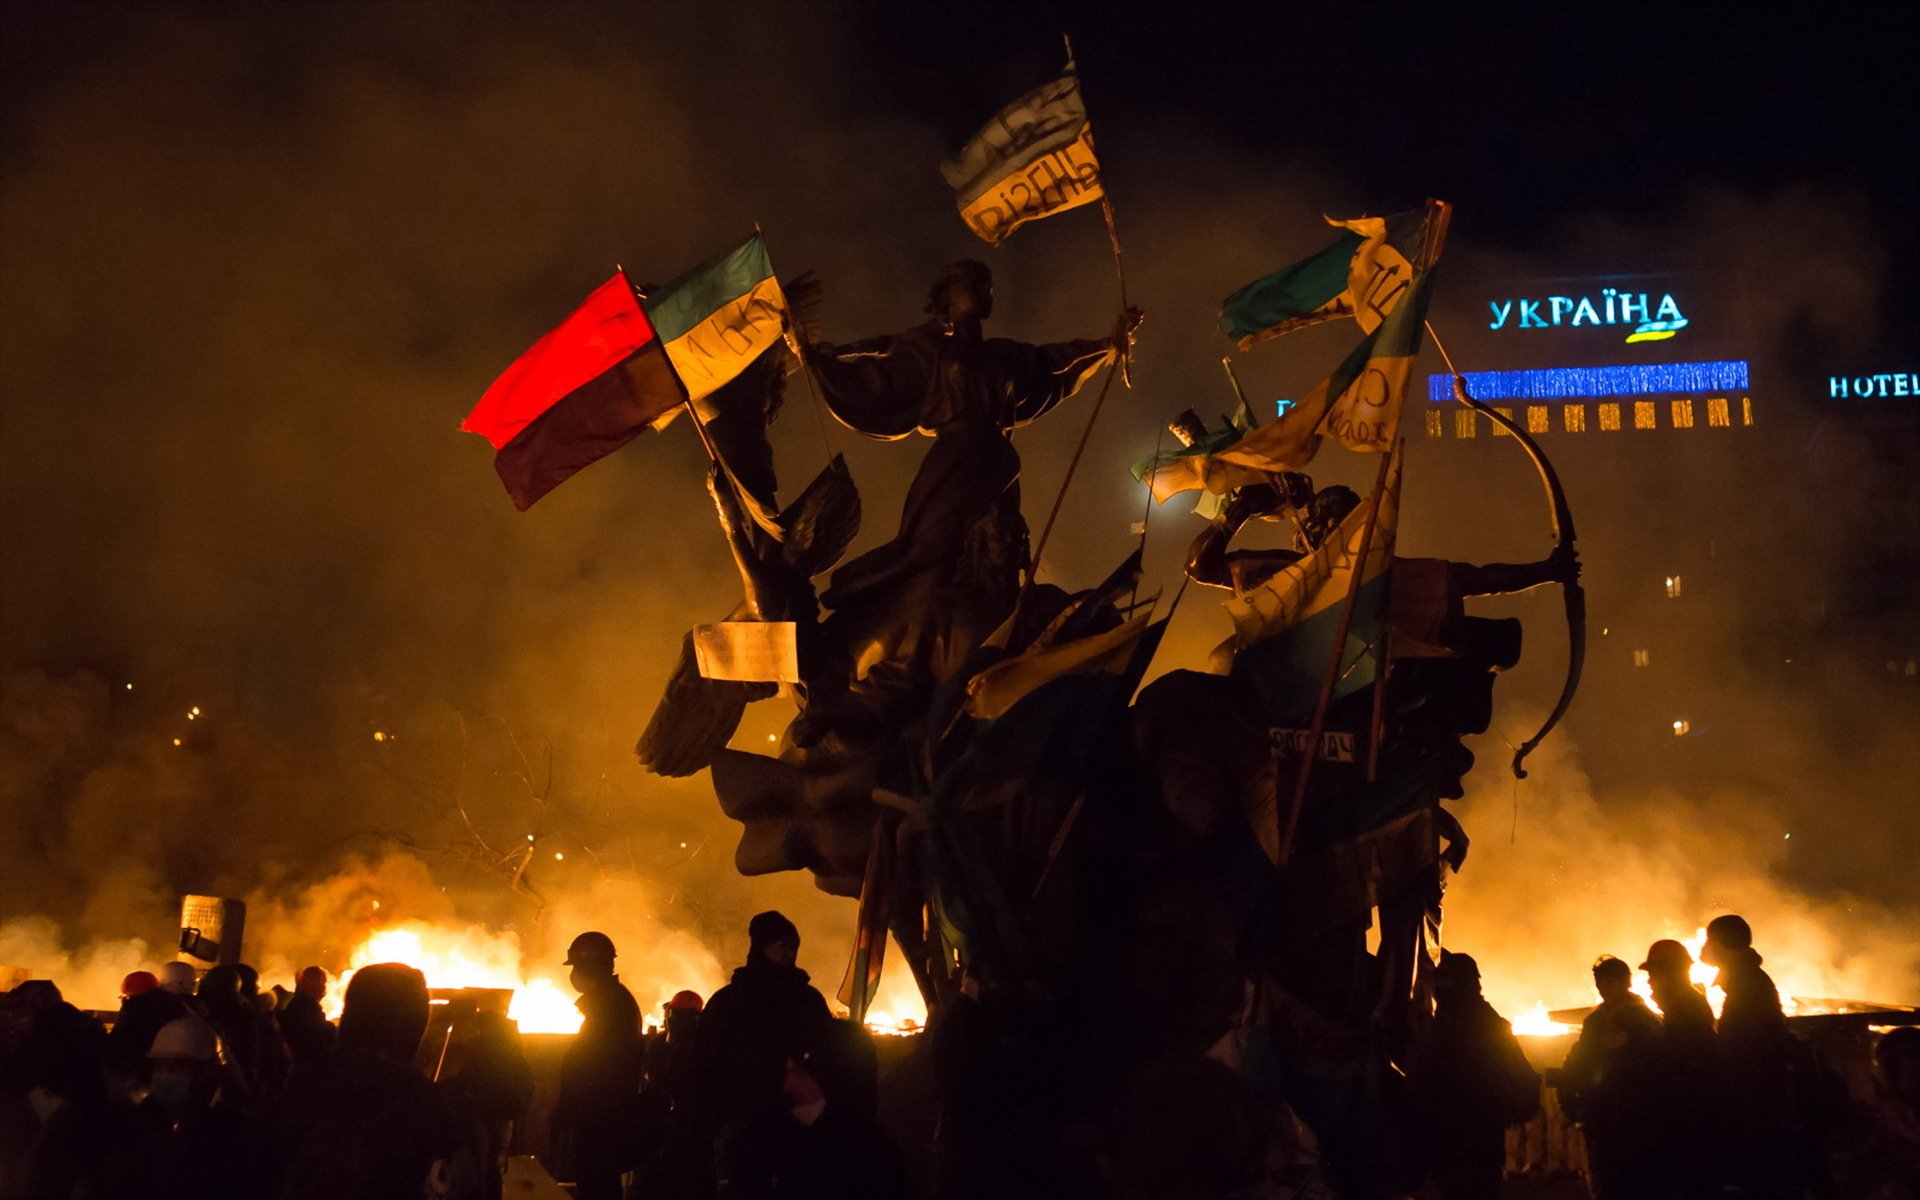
x=1123, y=367
x=795, y=344
x=1290, y=821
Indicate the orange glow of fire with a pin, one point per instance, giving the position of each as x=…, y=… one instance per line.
x=1536, y=1022
x=459, y=956
x=469, y=956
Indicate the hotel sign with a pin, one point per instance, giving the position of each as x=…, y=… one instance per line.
x=1873, y=387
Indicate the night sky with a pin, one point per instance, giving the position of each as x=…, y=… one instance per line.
x=255, y=264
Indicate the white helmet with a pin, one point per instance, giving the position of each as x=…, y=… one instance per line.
x=177, y=977
x=188, y=1038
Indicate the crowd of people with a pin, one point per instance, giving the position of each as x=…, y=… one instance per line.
x=204, y=1086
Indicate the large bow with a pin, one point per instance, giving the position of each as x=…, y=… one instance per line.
x=1574, y=595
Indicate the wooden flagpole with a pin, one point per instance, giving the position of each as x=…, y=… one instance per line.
x=1290, y=822
x=1124, y=368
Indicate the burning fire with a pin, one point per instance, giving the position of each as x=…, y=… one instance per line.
x=543, y=1002
x=1538, y=1022
x=467, y=957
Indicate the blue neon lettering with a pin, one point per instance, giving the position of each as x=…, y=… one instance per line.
x=1530, y=309
x=1500, y=312
x=1863, y=386
x=1557, y=305
x=1628, y=303
x=1836, y=387
x=1585, y=312
x=1610, y=293
x=1901, y=383
x=1669, y=311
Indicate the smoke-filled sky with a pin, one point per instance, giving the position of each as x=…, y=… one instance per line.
x=256, y=264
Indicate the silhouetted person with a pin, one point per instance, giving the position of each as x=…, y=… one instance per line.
x=274, y=1061
x=1691, y=1097
x=76, y=1141
x=144, y=1008
x=748, y=1031
x=487, y=1068
x=682, y=1168
x=310, y=1036
x=234, y=1019
x=364, y=1123
x=1473, y=1082
x=832, y=1147
x=201, y=1138
x=1612, y=1084
x=1756, y=1058
x=600, y=1075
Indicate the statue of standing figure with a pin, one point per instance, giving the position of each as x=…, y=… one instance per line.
x=910, y=611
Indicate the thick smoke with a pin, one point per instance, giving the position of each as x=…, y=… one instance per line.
x=254, y=273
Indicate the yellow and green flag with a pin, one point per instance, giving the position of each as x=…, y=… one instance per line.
x=1283, y=630
x=1359, y=405
x=719, y=317
x=1033, y=159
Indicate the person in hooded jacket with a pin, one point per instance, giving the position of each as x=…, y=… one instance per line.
x=1474, y=1082
x=748, y=1031
x=1757, y=1057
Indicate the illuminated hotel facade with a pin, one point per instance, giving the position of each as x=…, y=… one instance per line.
x=1746, y=511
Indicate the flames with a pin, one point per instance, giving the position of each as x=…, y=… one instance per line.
x=463, y=956
x=1538, y=1022
x=470, y=956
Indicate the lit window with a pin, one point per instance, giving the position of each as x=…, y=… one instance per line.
x=1573, y=418
x=1609, y=417
x=1641, y=658
x=1717, y=414
x=1682, y=728
x=1500, y=430
x=1683, y=414
x=1466, y=423
x=1643, y=414
x=1746, y=410
x=1436, y=425
x=1536, y=418
x=1673, y=587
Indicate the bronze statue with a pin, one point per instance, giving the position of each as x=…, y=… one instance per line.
x=909, y=611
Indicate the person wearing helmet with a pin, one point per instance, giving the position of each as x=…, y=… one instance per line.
x=600, y=1075
x=1684, y=1013
x=1691, y=1095
x=147, y=1004
x=682, y=1168
x=194, y=1120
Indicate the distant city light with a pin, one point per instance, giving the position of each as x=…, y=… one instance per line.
x=559, y=857
x=1673, y=587
x=1583, y=383
x=1681, y=728
x=176, y=741
x=379, y=735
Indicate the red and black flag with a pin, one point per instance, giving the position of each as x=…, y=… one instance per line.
x=583, y=391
